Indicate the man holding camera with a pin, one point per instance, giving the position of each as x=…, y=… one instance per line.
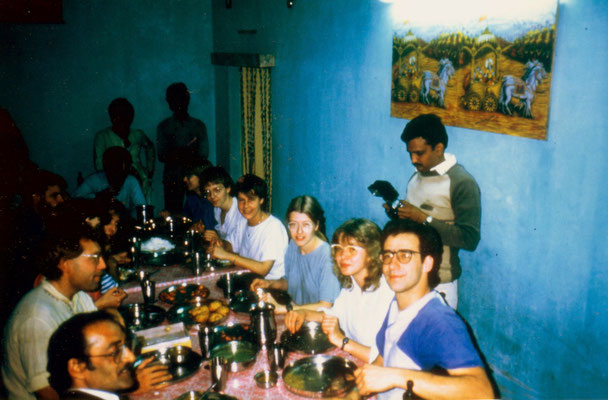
x=441, y=193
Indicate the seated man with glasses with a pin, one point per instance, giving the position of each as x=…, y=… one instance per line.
x=422, y=344
x=88, y=358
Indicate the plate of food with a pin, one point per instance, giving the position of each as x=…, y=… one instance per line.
x=184, y=293
x=320, y=376
x=228, y=333
x=182, y=361
x=205, y=312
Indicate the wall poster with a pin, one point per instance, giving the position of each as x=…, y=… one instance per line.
x=479, y=66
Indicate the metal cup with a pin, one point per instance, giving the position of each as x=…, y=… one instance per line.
x=148, y=291
x=204, y=337
x=198, y=264
x=219, y=373
x=144, y=214
x=229, y=286
x=142, y=275
x=276, y=357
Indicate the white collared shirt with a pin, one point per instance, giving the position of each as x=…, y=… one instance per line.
x=99, y=393
x=233, y=227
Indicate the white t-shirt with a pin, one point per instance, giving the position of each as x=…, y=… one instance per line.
x=29, y=329
x=233, y=227
x=360, y=313
x=266, y=241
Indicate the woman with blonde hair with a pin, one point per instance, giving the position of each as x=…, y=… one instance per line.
x=357, y=314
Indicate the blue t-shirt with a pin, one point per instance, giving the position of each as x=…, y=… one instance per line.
x=310, y=277
x=434, y=337
x=130, y=194
x=199, y=209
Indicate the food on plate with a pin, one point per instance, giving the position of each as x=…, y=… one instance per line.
x=214, y=305
x=168, y=297
x=200, y=314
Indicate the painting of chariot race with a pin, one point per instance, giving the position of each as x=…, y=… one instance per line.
x=489, y=71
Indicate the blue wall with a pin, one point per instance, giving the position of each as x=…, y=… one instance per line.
x=57, y=80
x=533, y=290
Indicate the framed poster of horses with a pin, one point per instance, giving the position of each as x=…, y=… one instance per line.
x=478, y=66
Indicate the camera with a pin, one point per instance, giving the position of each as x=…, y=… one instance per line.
x=388, y=193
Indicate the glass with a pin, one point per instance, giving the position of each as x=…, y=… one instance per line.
x=305, y=226
x=403, y=256
x=94, y=257
x=215, y=191
x=117, y=355
x=348, y=251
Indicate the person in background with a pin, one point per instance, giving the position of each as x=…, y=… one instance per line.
x=120, y=134
x=180, y=140
x=442, y=194
x=196, y=206
x=265, y=239
x=422, y=340
x=218, y=188
x=309, y=277
x=114, y=182
x=353, y=321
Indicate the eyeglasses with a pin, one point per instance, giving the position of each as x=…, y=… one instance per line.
x=305, y=226
x=94, y=257
x=216, y=190
x=117, y=355
x=403, y=256
x=348, y=251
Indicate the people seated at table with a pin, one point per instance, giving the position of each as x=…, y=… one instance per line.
x=218, y=188
x=120, y=134
x=265, y=239
x=72, y=264
x=89, y=358
x=353, y=321
x=422, y=339
x=196, y=205
x=309, y=277
x=114, y=181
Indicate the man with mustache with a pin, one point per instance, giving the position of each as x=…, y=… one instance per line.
x=89, y=359
x=442, y=194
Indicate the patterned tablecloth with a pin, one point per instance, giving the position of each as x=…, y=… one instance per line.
x=240, y=384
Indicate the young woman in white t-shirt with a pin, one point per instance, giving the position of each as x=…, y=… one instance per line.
x=265, y=239
x=353, y=321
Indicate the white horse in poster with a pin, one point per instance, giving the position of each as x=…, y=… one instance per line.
x=523, y=89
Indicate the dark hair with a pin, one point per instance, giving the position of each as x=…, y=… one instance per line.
x=121, y=107
x=367, y=234
x=430, y=242
x=310, y=206
x=62, y=243
x=68, y=342
x=40, y=180
x=217, y=175
x=177, y=91
x=427, y=126
x=251, y=183
x=197, y=168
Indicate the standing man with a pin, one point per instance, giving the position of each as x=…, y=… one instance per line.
x=422, y=341
x=442, y=194
x=89, y=359
x=135, y=141
x=180, y=141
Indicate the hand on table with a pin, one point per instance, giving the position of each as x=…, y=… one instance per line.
x=111, y=299
x=211, y=236
x=294, y=320
x=331, y=327
x=408, y=211
x=153, y=376
x=373, y=379
x=218, y=251
x=259, y=283
x=198, y=227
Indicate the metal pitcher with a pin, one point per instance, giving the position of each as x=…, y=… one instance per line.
x=264, y=324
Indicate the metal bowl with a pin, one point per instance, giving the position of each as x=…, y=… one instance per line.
x=266, y=379
x=190, y=395
x=309, y=339
x=320, y=376
x=142, y=316
x=182, y=361
x=240, y=354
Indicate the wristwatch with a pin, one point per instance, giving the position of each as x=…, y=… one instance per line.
x=344, y=341
x=428, y=220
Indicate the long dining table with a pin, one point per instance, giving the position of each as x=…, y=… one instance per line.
x=239, y=384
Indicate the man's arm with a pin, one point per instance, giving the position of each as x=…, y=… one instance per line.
x=470, y=383
x=46, y=393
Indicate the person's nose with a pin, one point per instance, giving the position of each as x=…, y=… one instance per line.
x=414, y=158
x=60, y=199
x=128, y=356
x=102, y=264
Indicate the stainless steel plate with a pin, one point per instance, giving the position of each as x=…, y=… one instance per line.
x=240, y=354
x=309, y=339
x=141, y=316
x=320, y=376
x=195, y=314
x=181, y=361
x=224, y=334
x=184, y=293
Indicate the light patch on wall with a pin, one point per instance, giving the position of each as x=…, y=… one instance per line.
x=459, y=12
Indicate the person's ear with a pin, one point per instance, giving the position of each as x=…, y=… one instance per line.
x=427, y=264
x=439, y=148
x=64, y=266
x=76, y=368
